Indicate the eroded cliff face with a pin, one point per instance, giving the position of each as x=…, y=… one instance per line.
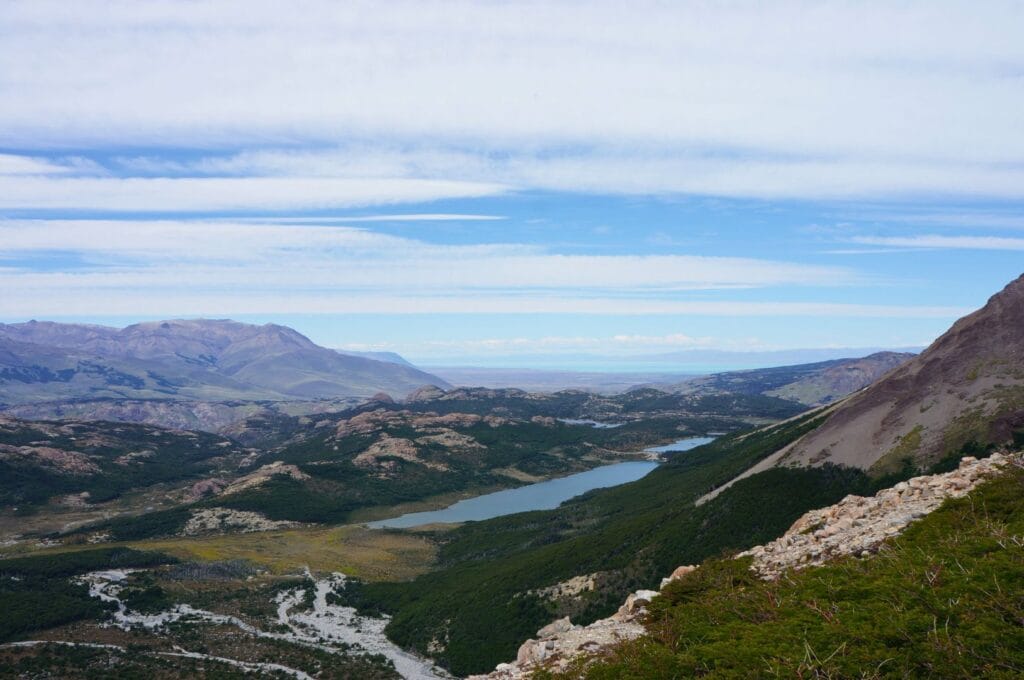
x=857, y=526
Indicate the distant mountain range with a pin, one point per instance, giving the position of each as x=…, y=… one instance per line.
x=780, y=357
x=540, y=380
x=386, y=357
x=580, y=369
x=810, y=384
x=205, y=360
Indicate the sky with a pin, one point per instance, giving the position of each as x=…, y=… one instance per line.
x=554, y=183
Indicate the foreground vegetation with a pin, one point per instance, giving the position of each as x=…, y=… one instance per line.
x=945, y=599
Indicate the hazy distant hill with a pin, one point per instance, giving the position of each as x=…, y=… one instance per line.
x=206, y=360
x=387, y=357
x=811, y=384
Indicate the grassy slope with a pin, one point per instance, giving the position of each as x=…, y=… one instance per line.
x=946, y=600
x=352, y=550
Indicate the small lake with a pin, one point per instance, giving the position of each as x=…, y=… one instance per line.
x=681, y=445
x=540, y=496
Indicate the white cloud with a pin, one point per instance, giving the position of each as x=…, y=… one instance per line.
x=307, y=259
x=979, y=218
x=373, y=178
x=225, y=267
x=15, y=165
x=412, y=217
x=944, y=242
x=226, y=193
x=617, y=344
x=30, y=302
x=788, y=99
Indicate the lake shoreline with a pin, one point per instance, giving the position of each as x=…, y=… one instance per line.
x=544, y=495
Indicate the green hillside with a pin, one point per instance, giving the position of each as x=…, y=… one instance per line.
x=945, y=599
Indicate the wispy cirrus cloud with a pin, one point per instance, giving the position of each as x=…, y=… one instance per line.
x=205, y=194
x=970, y=242
x=554, y=344
x=15, y=165
x=268, y=257
x=26, y=302
x=419, y=176
x=195, y=267
x=792, y=100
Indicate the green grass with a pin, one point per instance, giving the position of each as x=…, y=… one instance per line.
x=946, y=599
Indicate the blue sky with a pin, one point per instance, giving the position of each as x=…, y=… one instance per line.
x=515, y=183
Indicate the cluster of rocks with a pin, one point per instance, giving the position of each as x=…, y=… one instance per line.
x=569, y=588
x=855, y=526
x=263, y=474
x=560, y=642
x=858, y=525
x=218, y=520
x=381, y=453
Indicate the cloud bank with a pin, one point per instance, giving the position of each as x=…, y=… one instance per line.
x=423, y=100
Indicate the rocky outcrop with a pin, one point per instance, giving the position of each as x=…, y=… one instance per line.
x=58, y=460
x=263, y=474
x=219, y=520
x=381, y=453
x=858, y=525
x=569, y=588
x=378, y=420
x=205, y=487
x=560, y=642
x=425, y=393
x=855, y=526
x=451, y=440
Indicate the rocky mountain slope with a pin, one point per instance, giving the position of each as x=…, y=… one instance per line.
x=205, y=360
x=963, y=393
x=856, y=527
x=812, y=384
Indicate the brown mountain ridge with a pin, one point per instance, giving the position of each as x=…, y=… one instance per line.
x=965, y=392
